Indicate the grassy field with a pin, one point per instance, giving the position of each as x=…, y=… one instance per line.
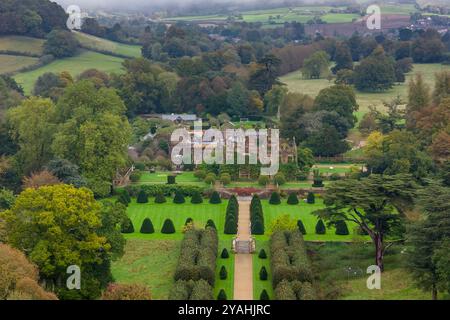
x=396, y=284
x=340, y=270
x=22, y=44
x=74, y=65
x=14, y=63
x=260, y=285
x=299, y=14
x=151, y=263
x=296, y=83
x=303, y=212
x=95, y=43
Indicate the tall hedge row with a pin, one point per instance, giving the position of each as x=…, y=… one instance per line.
x=256, y=216
x=232, y=216
x=198, y=256
x=191, y=290
x=291, y=271
x=294, y=290
x=166, y=189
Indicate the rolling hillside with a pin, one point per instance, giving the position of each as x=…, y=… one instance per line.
x=74, y=65
x=18, y=52
x=20, y=44
x=106, y=46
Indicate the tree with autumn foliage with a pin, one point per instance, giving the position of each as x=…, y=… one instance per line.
x=19, y=277
x=40, y=179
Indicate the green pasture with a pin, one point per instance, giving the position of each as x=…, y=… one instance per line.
x=95, y=43
x=74, y=65
x=10, y=63
x=22, y=44
x=296, y=83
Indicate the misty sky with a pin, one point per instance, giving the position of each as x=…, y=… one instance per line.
x=131, y=4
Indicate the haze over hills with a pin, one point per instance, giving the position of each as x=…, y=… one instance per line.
x=134, y=5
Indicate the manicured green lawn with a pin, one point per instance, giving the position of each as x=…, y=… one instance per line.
x=227, y=284
x=187, y=178
x=178, y=213
x=149, y=262
x=303, y=211
x=260, y=285
x=334, y=168
x=74, y=65
x=147, y=253
x=161, y=177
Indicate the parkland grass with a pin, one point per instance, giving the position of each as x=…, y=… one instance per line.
x=152, y=263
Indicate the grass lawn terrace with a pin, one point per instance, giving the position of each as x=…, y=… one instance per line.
x=178, y=213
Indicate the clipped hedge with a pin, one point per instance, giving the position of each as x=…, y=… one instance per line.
x=301, y=227
x=215, y=198
x=198, y=256
x=191, y=290
x=224, y=254
x=288, y=258
x=311, y=198
x=231, y=216
x=292, y=199
x=320, y=227
x=341, y=228
x=153, y=189
x=210, y=224
x=275, y=198
x=223, y=274
x=179, y=198
x=142, y=197
x=171, y=179
x=222, y=295
x=196, y=198
x=127, y=226
x=262, y=254
x=263, y=274
x=147, y=226
x=294, y=290
x=256, y=216
x=264, y=295
x=168, y=227
x=160, y=198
